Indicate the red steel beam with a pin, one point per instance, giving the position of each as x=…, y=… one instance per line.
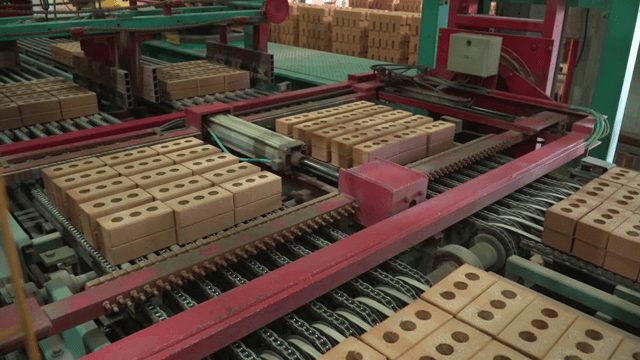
x=497, y=22
x=216, y=323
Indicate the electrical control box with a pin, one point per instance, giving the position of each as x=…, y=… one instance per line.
x=473, y=54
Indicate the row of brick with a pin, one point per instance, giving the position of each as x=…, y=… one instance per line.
x=132, y=203
x=45, y=100
x=474, y=315
x=600, y=223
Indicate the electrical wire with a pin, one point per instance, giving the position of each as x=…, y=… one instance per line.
x=601, y=127
x=224, y=149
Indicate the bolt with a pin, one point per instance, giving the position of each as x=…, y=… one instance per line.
x=57, y=352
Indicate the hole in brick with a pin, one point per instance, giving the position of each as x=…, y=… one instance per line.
x=101, y=172
x=637, y=227
x=128, y=154
x=156, y=160
x=85, y=176
x=472, y=276
x=193, y=181
x=594, y=334
x=633, y=233
x=263, y=176
x=581, y=201
x=527, y=336
x=135, y=214
x=174, y=170
x=176, y=143
x=501, y=357
x=619, y=174
x=161, y=173
x=57, y=169
x=622, y=202
x=199, y=197
x=485, y=315
x=607, y=216
x=212, y=193
x=132, y=195
x=567, y=210
x=613, y=211
x=423, y=315
x=597, y=188
x=181, y=155
x=460, y=337
x=152, y=208
x=498, y=304
x=599, y=221
x=84, y=191
x=460, y=285
x=178, y=186
x=251, y=180
x=592, y=193
x=448, y=295
x=141, y=151
x=633, y=192
x=636, y=355
x=574, y=205
x=615, y=178
x=144, y=163
x=353, y=355
x=539, y=324
x=164, y=190
x=98, y=205
x=550, y=313
x=627, y=197
x=407, y=325
x=585, y=347
x=117, y=219
x=116, y=200
x=390, y=337
x=115, y=157
x=146, y=177
x=183, y=202
x=509, y=294
x=623, y=171
x=444, y=349
x=69, y=180
x=197, y=163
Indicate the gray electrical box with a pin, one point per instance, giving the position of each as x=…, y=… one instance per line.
x=473, y=54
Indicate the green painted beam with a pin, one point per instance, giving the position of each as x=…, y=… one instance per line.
x=434, y=16
x=15, y=31
x=589, y=296
x=616, y=70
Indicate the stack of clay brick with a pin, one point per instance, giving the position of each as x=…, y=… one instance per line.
x=288, y=31
x=474, y=315
x=359, y=132
x=64, y=52
x=350, y=32
x=600, y=223
x=9, y=54
x=389, y=36
x=389, y=5
x=315, y=27
x=135, y=202
x=40, y=101
x=409, y=6
x=414, y=38
x=360, y=4
x=199, y=78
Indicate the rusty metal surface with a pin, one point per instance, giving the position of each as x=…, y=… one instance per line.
x=459, y=156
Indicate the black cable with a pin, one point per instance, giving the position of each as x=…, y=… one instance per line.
x=584, y=38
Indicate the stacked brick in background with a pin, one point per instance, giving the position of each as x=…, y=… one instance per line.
x=359, y=4
x=474, y=315
x=40, y=101
x=315, y=27
x=64, y=52
x=389, y=36
x=9, y=55
x=388, y=5
x=413, y=27
x=414, y=6
x=132, y=203
x=350, y=32
x=199, y=78
x=600, y=223
x=287, y=32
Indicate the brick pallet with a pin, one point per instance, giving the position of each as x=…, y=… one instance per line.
x=139, y=201
x=600, y=223
x=475, y=315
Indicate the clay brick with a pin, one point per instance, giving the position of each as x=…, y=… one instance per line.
x=599, y=189
x=414, y=121
x=625, y=239
x=231, y=172
x=623, y=266
x=161, y=176
x=210, y=163
x=382, y=148
x=140, y=247
x=340, y=161
x=69, y=168
x=9, y=110
x=72, y=113
x=94, y=191
x=454, y=340
x=557, y=240
x=193, y=153
x=201, y=205
x=496, y=351
x=178, y=188
x=628, y=350
x=626, y=197
x=634, y=183
x=322, y=138
x=619, y=175
x=257, y=208
x=386, y=129
x=91, y=211
x=410, y=139
x=438, y=131
x=402, y=330
x=357, y=105
x=304, y=132
x=205, y=227
x=538, y=327
x=586, y=340
x=10, y=123
x=343, y=144
x=128, y=156
x=285, y=125
x=69, y=99
x=39, y=103
x=412, y=155
x=459, y=288
x=177, y=145
x=494, y=309
x=436, y=148
x=596, y=226
x=588, y=252
x=321, y=154
x=563, y=216
x=41, y=118
x=62, y=184
x=254, y=187
x=141, y=166
x=394, y=115
x=352, y=349
x=135, y=223
x=366, y=123
x=373, y=110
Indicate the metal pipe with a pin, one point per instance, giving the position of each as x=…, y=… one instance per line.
x=109, y=118
x=319, y=168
